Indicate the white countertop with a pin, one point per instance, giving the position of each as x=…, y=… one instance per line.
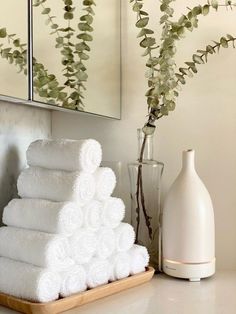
x=165, y=295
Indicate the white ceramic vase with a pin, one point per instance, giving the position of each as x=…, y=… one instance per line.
x=188, y=229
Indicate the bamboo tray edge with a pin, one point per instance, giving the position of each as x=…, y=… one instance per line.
x=76, y=300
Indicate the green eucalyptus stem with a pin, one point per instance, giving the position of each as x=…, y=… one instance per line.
x=82, y=47
x=201, y=57
x=140, y=199
x=49, y=21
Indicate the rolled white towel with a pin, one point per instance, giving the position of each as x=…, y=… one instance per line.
x=125, y=236
x=139, y=259
x=28, y=282
x=120, y=266
x=92, y=215
x=105, y=181
x=98, y=272
x=35, y=247
x=42, y=215
x=83, y=245
x=56, y=185
x=73, y=281
x=69, y=155
x=113, y=212
x=105, y=242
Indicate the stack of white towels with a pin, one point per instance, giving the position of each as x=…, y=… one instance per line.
x=65, y=234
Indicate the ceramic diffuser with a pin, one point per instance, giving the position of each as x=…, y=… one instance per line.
x=188, y=236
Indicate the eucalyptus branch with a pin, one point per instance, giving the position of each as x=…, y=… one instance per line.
x=81, y=49
x=201, y=57
x=189, y=21
x=45, y=84
x=49, y=21
x=74, y=71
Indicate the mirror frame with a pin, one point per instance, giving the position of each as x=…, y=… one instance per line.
x=30, y=101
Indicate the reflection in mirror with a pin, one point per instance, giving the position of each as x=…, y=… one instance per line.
x=13, y=48
x=76, y=54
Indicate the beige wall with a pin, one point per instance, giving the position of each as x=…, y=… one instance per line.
x=204, y=120
x=13, y=83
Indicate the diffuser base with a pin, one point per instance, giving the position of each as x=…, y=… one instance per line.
x=191, y=271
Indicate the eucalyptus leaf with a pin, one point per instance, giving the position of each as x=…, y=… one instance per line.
x=3, y=32
x=46, y=11
x=142, y=22
x=85, y=37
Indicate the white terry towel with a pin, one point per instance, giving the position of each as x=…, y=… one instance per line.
x=113, y=212
x=56, y=185
x=120, y=266
x=105, y=242
x=98, y=272
x=42, y=215
x=92, y=215
x=83, y=245
x=73, y=281
x=139, y=259
x=35, y=247
x=105, y=180
x=28, y=282
x=69, y=155
x=125, y=236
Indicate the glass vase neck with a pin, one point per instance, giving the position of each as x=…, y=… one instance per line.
x=148, y=148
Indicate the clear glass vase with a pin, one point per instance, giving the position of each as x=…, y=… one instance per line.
x=145, y=185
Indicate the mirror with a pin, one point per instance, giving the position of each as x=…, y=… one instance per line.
x=13, y=48
x=76, y=55
x=73, y=58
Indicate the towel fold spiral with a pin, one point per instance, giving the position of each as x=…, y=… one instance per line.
x=113, y=212
x=82, y=245
x=125, y=236
x=28, y=282
x=35, y=247
x=73, y=281
x=98, y=272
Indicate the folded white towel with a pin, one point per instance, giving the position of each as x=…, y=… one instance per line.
x=139, y=259
x=28, y=282
x=55, y=185
x=42, y=215
x=105, y=242
x=35, y=247
x=92, y=215
x=69, y=155
x=125, y=236
x=98, y=272
x=120, y=266
x=73, y=281
x=105, y=180
x=83, y=245
x=113, y=212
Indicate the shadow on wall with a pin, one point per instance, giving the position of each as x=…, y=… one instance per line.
x=10, y=169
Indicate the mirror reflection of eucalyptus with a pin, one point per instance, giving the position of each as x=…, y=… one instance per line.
x=76, y=55
x=74, y=49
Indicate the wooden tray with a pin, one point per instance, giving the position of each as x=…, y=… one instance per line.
x=76, y=300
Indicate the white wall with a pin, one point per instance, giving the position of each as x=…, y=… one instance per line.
x=204, y=119
x=19, y=126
